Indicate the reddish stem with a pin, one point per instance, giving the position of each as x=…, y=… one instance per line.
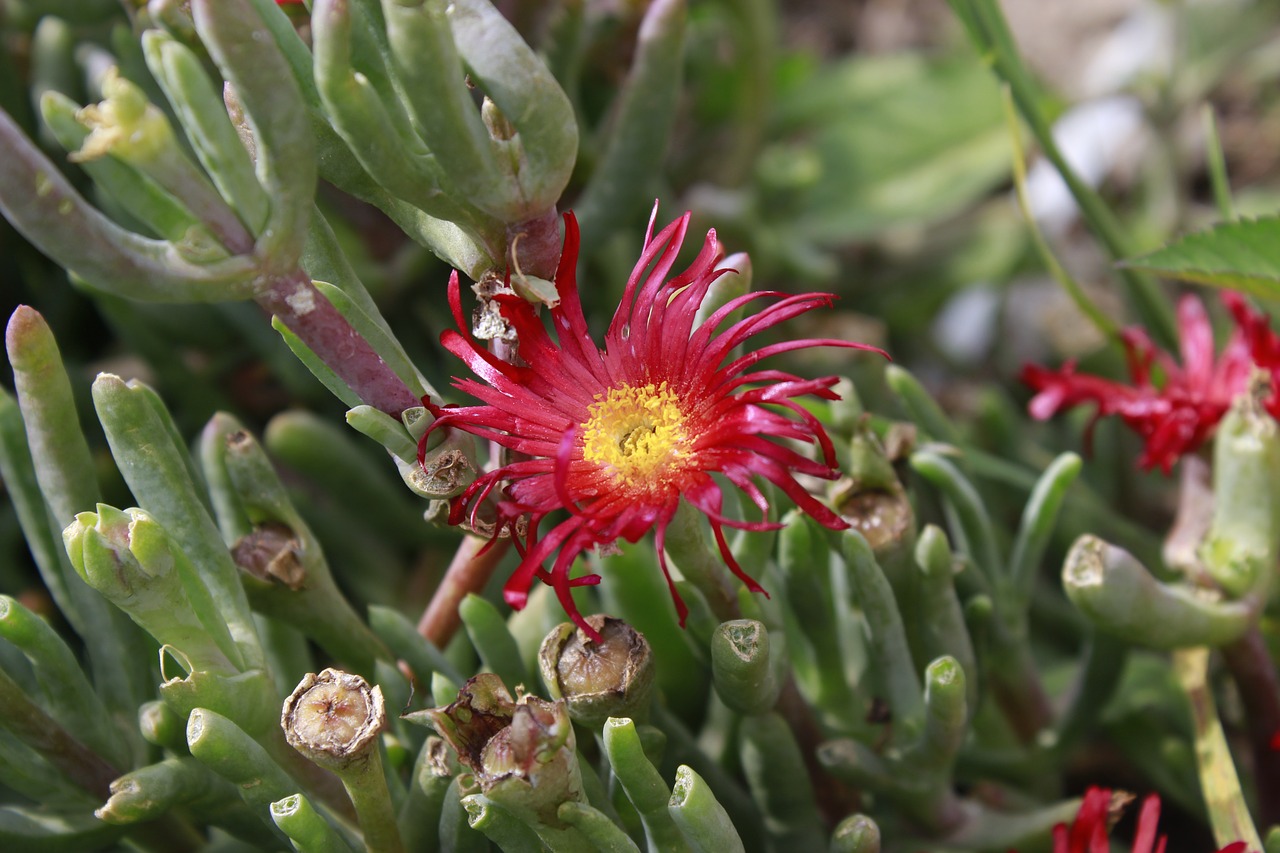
x=469, y=571
x=311, y=317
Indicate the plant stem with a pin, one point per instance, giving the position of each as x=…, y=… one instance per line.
x=1224, y=799
x=687, y=544
x=295, y=300
x=1082, y=300
x=367, y=787
x=1255, y=677
x=990, y=34
x=468, y=572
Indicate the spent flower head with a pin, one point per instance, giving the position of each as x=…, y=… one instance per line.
x=1177, y=416
x=619, y=436
x=522, y=751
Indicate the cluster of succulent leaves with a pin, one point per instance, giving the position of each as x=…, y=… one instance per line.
x=916, y=681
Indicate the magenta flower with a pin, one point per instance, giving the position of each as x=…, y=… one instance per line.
x=1178, y=415
x=618, y=436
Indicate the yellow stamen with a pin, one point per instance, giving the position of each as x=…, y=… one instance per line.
x=637, y=431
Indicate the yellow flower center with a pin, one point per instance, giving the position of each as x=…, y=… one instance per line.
x=635, y=430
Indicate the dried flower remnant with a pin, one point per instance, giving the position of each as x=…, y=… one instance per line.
x=334, y=718
x=1176, y=417
x=619, y=436
x=523, y=752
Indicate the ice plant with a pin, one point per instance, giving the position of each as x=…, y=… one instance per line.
x=619, y=436
x=1177, y=416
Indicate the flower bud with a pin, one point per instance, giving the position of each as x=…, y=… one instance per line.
x=523, y=752
x=598, y=680
x=1241, y=548
x=856, y=834
x=125, y=124
x=334, y=719
x=127, y=556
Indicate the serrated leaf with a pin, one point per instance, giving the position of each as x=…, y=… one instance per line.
x=1242, y=255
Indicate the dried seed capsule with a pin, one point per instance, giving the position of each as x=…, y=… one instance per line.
x=598, y=680
x=334, y=718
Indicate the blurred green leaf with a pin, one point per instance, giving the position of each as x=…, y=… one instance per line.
x=894, y=140
x=1242, y=255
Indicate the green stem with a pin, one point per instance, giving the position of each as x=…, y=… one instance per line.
x=158, y=471
x=1224, y=798
x=1118, y=594
x=1217, y=164
x=890, y=655
x=989, y=31
x=1084, y=303
x=505, y=829
x=419, y=817
x=1104, y=663
x=643, y=784
x=367, y=786
x=779, y=781
x=47, y=469
x=689, y=547
x=222, y=745
x=1255, y=676
x=493, y=640
x=729, y=792
x=70, y=697
x=740, y=665
x=596, y=827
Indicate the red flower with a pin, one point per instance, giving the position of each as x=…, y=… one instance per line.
x=1088, y=832
x=618, y=436
x=1177, y=417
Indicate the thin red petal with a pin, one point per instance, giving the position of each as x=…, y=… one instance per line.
x=1148, y=821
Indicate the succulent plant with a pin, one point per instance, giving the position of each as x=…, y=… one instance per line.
x=826, y=612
